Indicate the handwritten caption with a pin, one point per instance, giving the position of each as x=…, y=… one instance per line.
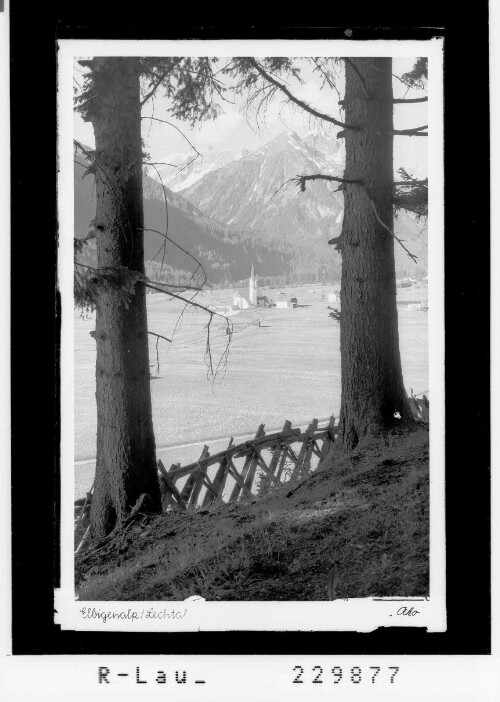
x=132, y=615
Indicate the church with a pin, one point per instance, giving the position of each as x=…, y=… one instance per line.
x=242, y=302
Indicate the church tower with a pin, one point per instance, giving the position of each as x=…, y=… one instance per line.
x=252, y=287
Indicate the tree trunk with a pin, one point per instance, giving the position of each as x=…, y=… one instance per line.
x=372, y=380
x=126, y=464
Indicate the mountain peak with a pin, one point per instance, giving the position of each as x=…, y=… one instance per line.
x=285, y=137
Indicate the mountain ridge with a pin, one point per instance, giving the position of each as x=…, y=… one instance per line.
x=250, y=208
x=258, y=190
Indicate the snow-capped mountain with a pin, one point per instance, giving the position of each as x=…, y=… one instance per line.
x=249, y=207
x=225, y=253
x=181, y=170
x=256, y=190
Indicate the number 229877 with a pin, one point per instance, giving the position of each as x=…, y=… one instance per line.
x=356, y=675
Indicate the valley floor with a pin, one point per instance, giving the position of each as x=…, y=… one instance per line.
x=287, y=368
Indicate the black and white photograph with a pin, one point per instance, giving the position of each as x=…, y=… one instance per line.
x=249, y=357
x=252, y=288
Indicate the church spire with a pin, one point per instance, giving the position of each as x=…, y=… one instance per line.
x=252, y=287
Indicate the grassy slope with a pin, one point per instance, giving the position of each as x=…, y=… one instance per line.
x=368, y=510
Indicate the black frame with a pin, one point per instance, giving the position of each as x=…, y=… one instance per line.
x=35, y=400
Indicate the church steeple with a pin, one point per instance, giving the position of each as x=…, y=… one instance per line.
x=252, y=287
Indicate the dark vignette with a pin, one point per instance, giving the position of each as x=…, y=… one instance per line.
x=36, y=327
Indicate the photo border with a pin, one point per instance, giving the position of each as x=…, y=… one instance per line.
x=468, y=539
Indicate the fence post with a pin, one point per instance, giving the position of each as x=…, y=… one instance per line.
x=193, y=477
x=328, y=440
x=279, y=452
x=305, y=451
x=168, y=489
x=248, y=470
x=219, y=481
x=200, y=477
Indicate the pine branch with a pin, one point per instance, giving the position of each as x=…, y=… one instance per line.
x=326, y=77
x=295, y=100
x=400, y=203
x=411, y=194
x=417, y=77
x=155, y=87
x=410, y=183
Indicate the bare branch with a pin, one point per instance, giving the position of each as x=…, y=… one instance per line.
x=400, y=242
x=208, y=351
x=277, y=191
x=416, y=131
x=188, y=253
x=164, y=245
x=182, y=287
x=300, y=180
x=183, y=299
x=167, y=238
x=159, y=336
x=159, y=163
x=141, y=278
x=157, y=119
x=399, y=101
x=296, y=101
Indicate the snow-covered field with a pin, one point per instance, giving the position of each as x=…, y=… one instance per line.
x=286, y=368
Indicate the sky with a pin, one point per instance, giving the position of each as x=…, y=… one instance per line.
x=236, y=129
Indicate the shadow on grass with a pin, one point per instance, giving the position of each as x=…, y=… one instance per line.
x=367, y=510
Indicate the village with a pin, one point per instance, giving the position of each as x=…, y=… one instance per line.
x=255, y=298
x=411, y=294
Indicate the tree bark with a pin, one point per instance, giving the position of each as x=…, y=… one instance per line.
x=126, y=464
x=372, y=379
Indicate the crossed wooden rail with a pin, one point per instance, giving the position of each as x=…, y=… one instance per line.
x=284, y=464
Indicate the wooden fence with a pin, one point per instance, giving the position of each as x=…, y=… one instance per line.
x=247, y=468
x=251, y=467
